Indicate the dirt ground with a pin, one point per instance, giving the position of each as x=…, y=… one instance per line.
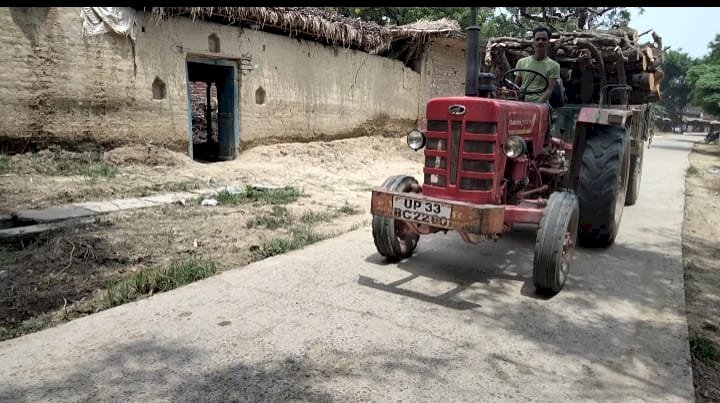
x=60, y=276
x=701, y=258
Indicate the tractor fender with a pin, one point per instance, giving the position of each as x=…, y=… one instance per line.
x=604, y=116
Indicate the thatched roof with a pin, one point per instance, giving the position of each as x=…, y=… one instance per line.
x=320, y=25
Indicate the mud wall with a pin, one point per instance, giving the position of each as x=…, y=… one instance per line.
x=443, y=71
x=57, y=86
x=61, y=87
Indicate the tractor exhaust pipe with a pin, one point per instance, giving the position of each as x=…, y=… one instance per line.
x=472, y=53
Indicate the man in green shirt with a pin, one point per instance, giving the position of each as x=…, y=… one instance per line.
x=541, y=63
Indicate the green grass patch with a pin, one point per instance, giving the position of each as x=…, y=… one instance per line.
x=692, y=170
x=90, y=163
x=226, y=197
x=279, y=217
x=146, y=282
x=57, y=162
x=283, y=195
x=10, y=257
x=4, y=164
x=313, y=217
x=704, y=349
x=299, y=238
x=359, y=225
x=349, y=209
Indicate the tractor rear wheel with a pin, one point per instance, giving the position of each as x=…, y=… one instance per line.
x=633, y=188
x=556, y=238
x=394, y=239
x=603, y=185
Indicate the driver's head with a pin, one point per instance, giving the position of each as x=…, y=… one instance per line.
x=541, y=40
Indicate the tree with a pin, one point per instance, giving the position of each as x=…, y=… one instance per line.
x=569, y=18
x=704, y=81
x=675, y=88
x=714, y=55
x=496, y=21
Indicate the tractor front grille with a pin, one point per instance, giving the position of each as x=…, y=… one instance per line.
x=435, y=180
x=446, y=143
x=481, y=127
x=475, y=184
x=435, y=162
x=482, y=147
x=455, y=131
x=477, y=166
x=437, y=125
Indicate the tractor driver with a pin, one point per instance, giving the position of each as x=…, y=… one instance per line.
x=541, y=63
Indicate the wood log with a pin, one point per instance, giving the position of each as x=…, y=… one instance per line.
x=516, y=54
x=643, y=81
x=649, y=54
x=658, y=76
x=589, y=60
x=582, y=43
x=658, y=40
x=504, y=60
x=488, y=53
x=621, y=78
x=586, y=82
x=566, y=74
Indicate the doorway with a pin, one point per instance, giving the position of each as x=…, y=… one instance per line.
x=212, y=110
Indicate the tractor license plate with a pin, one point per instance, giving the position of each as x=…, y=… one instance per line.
x=422, y=211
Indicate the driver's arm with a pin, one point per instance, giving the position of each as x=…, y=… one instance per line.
x=552, y=76
x=518, y=74
x=551, y=86
x=518, y=79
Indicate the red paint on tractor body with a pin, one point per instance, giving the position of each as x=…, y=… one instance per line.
x=464, y=159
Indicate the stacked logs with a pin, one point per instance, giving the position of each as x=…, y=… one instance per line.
x=590, y=60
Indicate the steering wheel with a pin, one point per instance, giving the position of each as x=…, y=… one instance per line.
x=523, y=91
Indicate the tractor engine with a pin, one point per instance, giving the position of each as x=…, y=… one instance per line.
x=481, y=150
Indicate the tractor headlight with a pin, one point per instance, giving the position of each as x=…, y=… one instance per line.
x=514, y=147
x=416, y=140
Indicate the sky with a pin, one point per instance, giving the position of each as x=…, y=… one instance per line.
x=689, y=29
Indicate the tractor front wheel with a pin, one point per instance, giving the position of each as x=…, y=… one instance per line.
x=394, y=239
x=556, y=238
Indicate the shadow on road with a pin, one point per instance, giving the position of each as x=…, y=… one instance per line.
x=147, y=370
x=634, y=276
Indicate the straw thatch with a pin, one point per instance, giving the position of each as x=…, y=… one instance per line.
x=319, y=25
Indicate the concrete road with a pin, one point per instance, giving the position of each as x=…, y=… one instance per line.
x=456, y=322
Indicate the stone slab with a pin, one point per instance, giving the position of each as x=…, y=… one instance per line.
x=19, y=232
x=51, y=214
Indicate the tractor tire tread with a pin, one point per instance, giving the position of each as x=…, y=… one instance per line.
x=598, y=187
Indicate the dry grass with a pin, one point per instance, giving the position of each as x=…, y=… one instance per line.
x=702, y=270
x=318, y=23
x=57, y=162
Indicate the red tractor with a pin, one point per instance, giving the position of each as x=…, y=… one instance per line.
x=491, y=163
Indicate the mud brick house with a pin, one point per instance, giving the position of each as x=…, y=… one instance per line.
x=241, y=76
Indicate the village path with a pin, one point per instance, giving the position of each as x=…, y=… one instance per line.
x=454, y=323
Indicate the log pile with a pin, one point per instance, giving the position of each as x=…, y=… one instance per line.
x=590, y=60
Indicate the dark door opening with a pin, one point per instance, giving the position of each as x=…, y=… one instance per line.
x=212, y=104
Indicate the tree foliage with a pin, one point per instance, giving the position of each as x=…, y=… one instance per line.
x=675, y=88
x=704, y=79
x=497, y=21
x=686, y=81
